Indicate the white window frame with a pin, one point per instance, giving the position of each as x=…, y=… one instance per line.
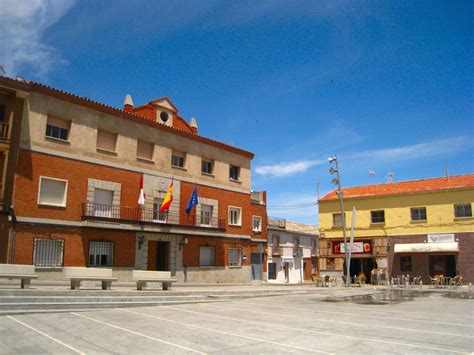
x=210, y=215
x=161, y=217
x=259, y=228
x=63, y=204
x=239, y=260
x=337, y=225
x=239, y=222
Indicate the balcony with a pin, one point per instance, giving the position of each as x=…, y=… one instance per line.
x=143, y=216
x=4, y=129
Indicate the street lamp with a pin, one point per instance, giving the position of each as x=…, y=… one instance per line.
x=337, y=181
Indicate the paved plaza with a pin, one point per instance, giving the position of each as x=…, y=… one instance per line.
x=312, y=322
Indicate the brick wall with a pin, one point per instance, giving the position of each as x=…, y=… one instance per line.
x=226, y=199
x=32, y=165
x=221, y=245
x=76, y=243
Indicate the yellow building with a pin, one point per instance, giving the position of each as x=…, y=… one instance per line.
x=420, y=228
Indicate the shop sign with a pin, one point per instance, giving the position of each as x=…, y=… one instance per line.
x=440, y=238
x=357, y=248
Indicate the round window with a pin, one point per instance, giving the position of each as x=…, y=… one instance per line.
x=164, y=116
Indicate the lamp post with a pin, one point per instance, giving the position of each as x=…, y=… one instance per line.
x=337, y=181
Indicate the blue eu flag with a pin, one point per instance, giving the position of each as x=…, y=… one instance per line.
x=193, y=200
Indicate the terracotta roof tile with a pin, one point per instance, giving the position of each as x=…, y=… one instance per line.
x=405, y=187
x=84, y=101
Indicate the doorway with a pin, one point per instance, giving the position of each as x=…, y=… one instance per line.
x=362, y=265
x=257, y=263
x=158, y=255
x=286, y=267
x=443, y=265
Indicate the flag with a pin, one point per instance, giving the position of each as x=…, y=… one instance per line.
x=142, y=195
x=168, y=198
x=193, y=200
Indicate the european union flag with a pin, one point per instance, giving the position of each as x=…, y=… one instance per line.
x=193, y=200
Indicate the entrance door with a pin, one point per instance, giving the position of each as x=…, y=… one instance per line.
x=256, y=259
x=443, y=265
x=158, y=256
x=286, y=267
x=362, y=265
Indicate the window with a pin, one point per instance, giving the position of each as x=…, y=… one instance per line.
x=52, y=192
x=48, y=252
x=106, y=140
x=235, y=216
x=337, y=219
x=145, y=150
x=101, y=253
x=463, y=210
x=405, y=264
x=296, y=244
x=160, y=217
x=377, y=216
x=206, y=215
x=272, y=274
x=207, y=166
x=207, y=256
x=257, y=224
x=418, y=214
x=234, y=172
x=103, y=203
x=275, y=245
x=234, y=257
x=57, y=128
x=177, y=160
x=314, y=247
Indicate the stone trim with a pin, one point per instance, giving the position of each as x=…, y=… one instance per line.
x=209, y=202
x=93, y=184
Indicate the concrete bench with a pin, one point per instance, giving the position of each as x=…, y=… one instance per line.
x=78, y=274
x=14, y=271
x=142, y=277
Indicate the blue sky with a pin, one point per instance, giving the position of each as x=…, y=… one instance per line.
x=387, y=86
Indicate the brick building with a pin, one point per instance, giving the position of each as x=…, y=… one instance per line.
x=72, y=170
x=420, y=228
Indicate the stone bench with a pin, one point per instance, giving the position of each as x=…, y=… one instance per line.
x=14, y=271
x=78, y=274
x=142, y=277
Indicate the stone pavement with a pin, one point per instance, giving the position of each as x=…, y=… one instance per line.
x=317, y=320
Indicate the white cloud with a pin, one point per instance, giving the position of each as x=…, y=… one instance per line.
x=441, y=147
x=416, y=151
x=21, y=29
x=283, y=169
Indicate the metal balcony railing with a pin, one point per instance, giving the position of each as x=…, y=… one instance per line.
x=133, y=215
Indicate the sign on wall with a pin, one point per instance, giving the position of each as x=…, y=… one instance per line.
x=441, y=238
x=364, y=247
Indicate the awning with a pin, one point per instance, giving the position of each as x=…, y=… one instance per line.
x=287, y=259
x=426, y=247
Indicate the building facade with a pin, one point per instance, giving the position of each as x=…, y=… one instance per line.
x=292, y=251
x=75, y=182
x=420, y=228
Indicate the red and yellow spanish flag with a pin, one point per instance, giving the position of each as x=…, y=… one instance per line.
x=168, y=198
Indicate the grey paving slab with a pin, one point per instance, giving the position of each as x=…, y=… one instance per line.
x=282, y=324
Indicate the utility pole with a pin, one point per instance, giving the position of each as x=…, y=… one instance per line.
x=337, y=182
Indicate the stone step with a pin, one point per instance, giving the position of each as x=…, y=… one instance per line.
x=87, y=306
x=76, y=298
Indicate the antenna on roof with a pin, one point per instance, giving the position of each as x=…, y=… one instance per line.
x=317, y=187
x=2, y=70
x=390, y=176
x=447, y=171
x=371, y=173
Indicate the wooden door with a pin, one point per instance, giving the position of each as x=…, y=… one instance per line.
x=152, y=248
